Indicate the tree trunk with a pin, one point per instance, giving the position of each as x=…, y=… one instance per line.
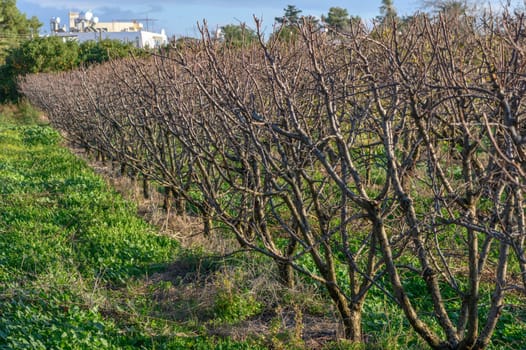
x=179, y=202
x=207, y=225
x=145, y=188
x=123, y=169
x=167, y=200
x=354, y=324
x=286, y=274
x=351, y=315
x=285, y=269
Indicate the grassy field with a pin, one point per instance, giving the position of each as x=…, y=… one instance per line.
x=78, y=268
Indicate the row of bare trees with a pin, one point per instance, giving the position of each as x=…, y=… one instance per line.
x=376, y=158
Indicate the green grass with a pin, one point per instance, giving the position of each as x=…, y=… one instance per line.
x=70, y=249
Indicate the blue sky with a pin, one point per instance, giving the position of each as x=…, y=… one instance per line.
x=180, y=17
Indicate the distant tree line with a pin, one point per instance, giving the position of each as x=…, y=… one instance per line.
x=338, y=19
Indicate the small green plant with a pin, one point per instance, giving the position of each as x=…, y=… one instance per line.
x=232, y=307
x=40, y=135
x=27, y=114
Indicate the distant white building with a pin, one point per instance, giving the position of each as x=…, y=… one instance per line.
x=141, y=39
x=84, y=27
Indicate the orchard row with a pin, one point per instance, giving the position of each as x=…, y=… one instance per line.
x=378, y=158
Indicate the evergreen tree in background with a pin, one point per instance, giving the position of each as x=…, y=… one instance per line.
x=387, y=10
x=337, y=18
x=287, y=24
x=291, y=16
x=15, y=27
x=238, y=35
x=452, y=8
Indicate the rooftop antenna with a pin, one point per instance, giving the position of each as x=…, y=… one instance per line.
x=147, y=20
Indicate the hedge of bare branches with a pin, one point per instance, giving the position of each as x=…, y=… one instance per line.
x=368, y=159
